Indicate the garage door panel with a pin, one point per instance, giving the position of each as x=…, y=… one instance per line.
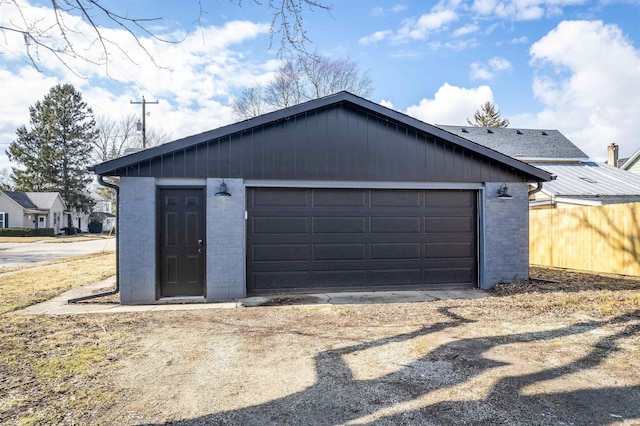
x=448, y=224
x=268, y=197
x=339, y=252
x=279, y=280
x=392, y=277
x=392, y=251
x=448, y=250
x=357, y=239
x=281, y=225
x=396, y=198
x=448, y=275
x=448, y=198
x=338, y=279
x=280, y=252
x=385, y=224
x=339, y=225
x=442, y=237
x=344, y=198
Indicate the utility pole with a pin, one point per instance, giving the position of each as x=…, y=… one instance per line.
x=144, y=121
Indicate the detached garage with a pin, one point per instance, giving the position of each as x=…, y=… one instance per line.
x=335, y=194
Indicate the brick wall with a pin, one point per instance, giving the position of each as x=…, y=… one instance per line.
x=225, y=241
x=506, y=234
x=137, y=240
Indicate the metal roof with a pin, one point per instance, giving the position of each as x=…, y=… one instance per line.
x=590, y=179
x=523, y=144
x=285, y=114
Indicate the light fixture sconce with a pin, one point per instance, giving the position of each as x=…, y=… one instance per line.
x=223, y=190
x=503, y=194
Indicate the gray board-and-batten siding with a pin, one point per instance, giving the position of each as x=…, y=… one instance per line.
x=337, y=141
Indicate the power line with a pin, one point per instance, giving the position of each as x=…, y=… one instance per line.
x=144, y=117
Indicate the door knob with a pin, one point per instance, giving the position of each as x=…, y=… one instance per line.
x=200, y=241
x=199, y=251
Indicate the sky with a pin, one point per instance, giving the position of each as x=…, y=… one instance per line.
x=569, y=65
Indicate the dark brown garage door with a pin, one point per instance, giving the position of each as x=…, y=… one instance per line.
x=356, y=239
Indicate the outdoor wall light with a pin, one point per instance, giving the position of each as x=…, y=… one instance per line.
x=223, y=190
x=503, y=194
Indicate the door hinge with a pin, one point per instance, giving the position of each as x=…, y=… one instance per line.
x=246, y=215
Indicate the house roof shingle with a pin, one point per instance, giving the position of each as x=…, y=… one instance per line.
x=523, y=144
x=21, y=198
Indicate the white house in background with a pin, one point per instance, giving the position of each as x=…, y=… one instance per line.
x=632, y=164
x=578, y=181
x=32, y=210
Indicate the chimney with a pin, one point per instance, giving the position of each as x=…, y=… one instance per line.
x=612, y=151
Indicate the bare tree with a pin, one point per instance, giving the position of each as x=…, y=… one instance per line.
x=308, y=77
x=116, y=136
x=6, y=182
x=56, y=33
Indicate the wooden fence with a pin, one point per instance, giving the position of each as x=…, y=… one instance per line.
x=599, y=239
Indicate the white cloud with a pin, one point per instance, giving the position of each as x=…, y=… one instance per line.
x=499, y=64
x=519, y=40
x=480, y=71
x=466, y=29
x=193, y=80
x=386, y=103
x=418, y=29
x=451, y=104
x=587, y=79
x=522, y=10
x=375, y=37
x=380, y=11
x=398, y=8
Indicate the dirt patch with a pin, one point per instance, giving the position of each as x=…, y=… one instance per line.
x=542, y=352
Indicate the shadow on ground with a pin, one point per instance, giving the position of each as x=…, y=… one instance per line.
x=403, y=397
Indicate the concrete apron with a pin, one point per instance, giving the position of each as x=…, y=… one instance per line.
x=59, y=306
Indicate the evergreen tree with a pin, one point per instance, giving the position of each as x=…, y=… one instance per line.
x=488, y=116
x=53, y=154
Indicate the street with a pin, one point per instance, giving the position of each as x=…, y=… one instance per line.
x=12, y=254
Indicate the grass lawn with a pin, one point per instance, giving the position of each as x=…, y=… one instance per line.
x=101, y=368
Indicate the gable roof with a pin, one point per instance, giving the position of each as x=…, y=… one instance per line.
x=21, y=198
x=523, y=144
x=45, y=200
x=34, y=200
x=590, y=179
x=631, y=161
x=120, y=165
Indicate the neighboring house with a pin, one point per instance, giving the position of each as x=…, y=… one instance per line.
x=79, y=220
x=632, y=164
x=335, y=194
x=578, y=181
x=31, y=210
x=108, y=220
x=102, y=212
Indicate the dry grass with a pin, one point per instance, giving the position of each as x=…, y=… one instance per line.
x=39, y=283
x=51, y=367
x=562, y=292
x=60, y=370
